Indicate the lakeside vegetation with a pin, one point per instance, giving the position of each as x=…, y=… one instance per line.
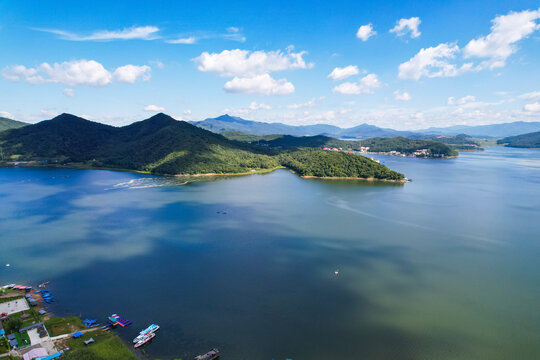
x=376, y=145
x=336, y=164
x=163, y=145
x=530, y=140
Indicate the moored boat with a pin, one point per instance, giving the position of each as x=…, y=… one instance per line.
x=211, y=355
x=151, y=329
x=146, y=339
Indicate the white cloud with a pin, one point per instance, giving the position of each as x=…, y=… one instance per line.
x=244, y=63
x=68, y=92
x=187, y=112
x=130, y=73
x=534, y=107
x=535, y=95
x=366, y=86
x=343, y=73
x=183, y=40
x=154, y=108
x=500, y=43
x=403, y=96
x=310, y=103
x=403, y=26
x=6, y=114
x=365, y=32
x=255, y=106
x=76, y=72
x=232, y=33
x=131, y=33
x=260, y=84
x=461, y=101
x=433, y=62
x=49, y=113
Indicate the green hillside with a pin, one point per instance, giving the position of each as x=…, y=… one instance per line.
x=530, y=140
x=401, y=144
x=6, y=124
x=163, y=145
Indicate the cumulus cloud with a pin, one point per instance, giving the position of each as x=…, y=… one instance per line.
x=154, y=108
x=76, y=72
x=460, y=101
x=535, y=95
x=365, y=32
x=366, y=85
x=251, y=70
x=244, y=63
x=310, y=103
x=506, y=31
x=260, y=84
x=68, y=92
x=404, y=26
x=131, y=33
x=6, y=114
x=344, y=72
x=402, y=96
x=534, y=107
x=433, y=62
x=130, y=73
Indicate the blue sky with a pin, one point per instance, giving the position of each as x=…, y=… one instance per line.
x=398, y=64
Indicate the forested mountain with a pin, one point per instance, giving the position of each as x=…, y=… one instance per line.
x=400, y=144
x=6, y=124
x=531, y=140
x=163, y=145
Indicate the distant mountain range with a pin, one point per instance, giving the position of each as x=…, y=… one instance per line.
x=487, y=131
x=163, y=145
x=364, y=131
x=6, y=124
x=233, y=123
x=225, y=123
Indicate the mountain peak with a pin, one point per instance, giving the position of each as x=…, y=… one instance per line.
x=67, y=117
x=229, y=118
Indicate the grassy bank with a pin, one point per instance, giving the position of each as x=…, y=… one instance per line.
x=107, y=346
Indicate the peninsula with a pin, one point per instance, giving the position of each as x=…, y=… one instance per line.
x=165, y=146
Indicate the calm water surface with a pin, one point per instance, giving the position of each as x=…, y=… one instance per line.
x=445, y=267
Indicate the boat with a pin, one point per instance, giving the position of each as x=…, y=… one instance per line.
x=146, y=339
x=211, y=355
x=151, y=329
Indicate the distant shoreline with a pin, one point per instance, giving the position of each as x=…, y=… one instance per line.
x=202, y=175
x=352, y=178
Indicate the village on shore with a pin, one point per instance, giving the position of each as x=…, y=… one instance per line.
x=28, y=331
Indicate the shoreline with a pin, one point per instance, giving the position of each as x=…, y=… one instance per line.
x=201, y=175
x=403, y=181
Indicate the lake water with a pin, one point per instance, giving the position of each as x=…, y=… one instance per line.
x=445, y=267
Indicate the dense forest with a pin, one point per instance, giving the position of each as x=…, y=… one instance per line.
x=530, y=140
x=163, y=145
x=310, y=162
x=407, y=146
